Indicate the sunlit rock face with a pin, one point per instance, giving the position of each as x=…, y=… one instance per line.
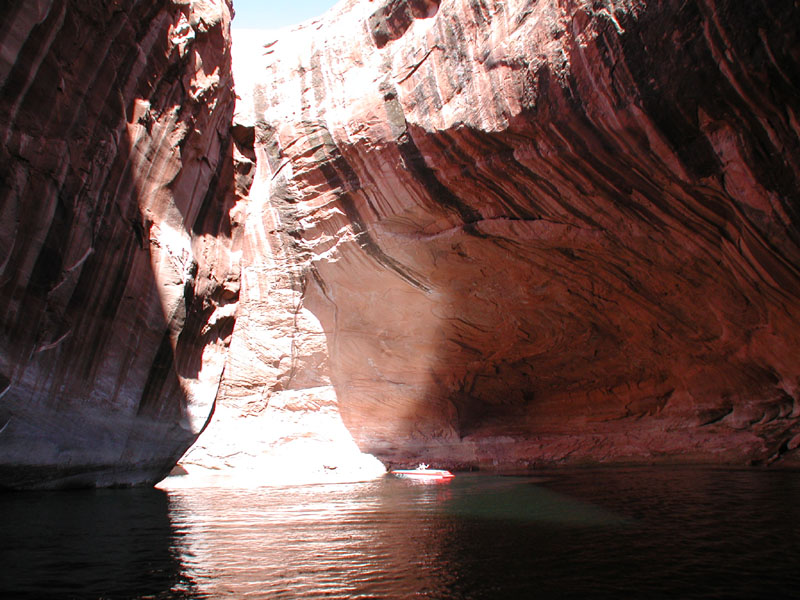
x=276, y=418
x=486, y=233
x=538, y=231
x=118, y=236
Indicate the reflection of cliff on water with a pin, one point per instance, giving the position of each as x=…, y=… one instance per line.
x=335, y=541
x=90, y=544
x=388, y=538
x=598, y=533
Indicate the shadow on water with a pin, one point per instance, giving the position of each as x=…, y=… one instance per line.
x=522, y=499
x=89, y=544
x=673, y=533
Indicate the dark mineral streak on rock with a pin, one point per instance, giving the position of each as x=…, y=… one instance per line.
x=601, y=199
x=392, y=20
x=531, y=233
x=415, y=162
x=117, y=178
x=339, y=175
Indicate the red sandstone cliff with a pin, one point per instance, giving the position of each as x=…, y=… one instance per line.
x=514, y=232
x=542, y=231
x=117, y=281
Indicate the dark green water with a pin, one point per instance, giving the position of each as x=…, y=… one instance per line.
x=614, y=533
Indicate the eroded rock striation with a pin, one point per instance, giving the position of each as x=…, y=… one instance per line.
x=118, y=264
x=540, y=231
x=487, y=233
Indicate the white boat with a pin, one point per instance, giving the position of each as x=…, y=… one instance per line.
x=423, y=473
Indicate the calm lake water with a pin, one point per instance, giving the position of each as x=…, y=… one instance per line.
x=612, y=533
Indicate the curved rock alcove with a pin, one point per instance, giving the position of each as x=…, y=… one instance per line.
x=542, y=232
x=488, y=233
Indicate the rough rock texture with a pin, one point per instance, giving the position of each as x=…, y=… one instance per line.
x=276, y=418
x=296, y=437
x=487, y=232
x=118, y=270
x=537, y=230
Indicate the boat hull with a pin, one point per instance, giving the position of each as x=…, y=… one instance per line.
x=427, y=475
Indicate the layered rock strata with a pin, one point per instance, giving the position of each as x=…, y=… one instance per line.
x=540, y=231
x=118, y=263
x=486, y=232
x=276, y=418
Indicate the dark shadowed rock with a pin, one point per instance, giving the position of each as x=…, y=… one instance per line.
x=117, y=282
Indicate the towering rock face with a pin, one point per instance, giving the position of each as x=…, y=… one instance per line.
x=486, y=232
x=118, y=271
x=277, y=417
x=540, y=230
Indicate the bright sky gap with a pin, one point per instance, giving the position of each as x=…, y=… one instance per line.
x=274, y=14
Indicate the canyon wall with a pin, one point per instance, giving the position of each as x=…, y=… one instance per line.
x=277, y=416
x=118, y=246
x=480, y=232
x=534, y=231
